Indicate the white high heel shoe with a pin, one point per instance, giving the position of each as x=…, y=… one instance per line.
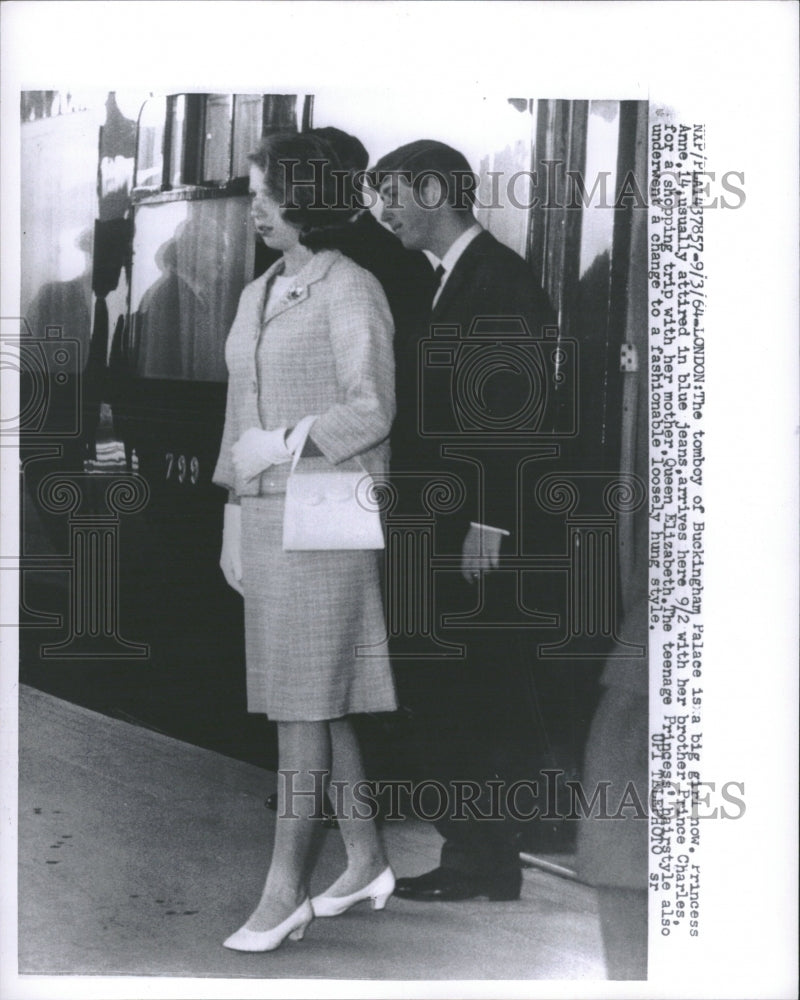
x=293, y=927
x=379, y=890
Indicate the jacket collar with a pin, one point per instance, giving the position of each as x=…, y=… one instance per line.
x=315, y=270
x=459, y=274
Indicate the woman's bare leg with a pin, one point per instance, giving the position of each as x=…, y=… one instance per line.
x=366, y=857
x=303, y=747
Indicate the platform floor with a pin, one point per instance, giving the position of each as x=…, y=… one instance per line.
x=139, y=854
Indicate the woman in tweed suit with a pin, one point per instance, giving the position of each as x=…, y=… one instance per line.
x=310, y=366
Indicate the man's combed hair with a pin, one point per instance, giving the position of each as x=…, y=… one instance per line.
x=425, y=158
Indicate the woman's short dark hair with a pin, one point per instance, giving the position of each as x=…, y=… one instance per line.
x=350, y=151
x=303, y=174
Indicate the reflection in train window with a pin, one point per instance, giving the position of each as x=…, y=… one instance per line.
x=177, y=137
x=217, y=138
x=185, y=286
x=206, y=138
x=602, y=142
x=150, y=146
x=247, y=126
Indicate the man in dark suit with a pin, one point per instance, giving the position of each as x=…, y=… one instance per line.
x=473, y=716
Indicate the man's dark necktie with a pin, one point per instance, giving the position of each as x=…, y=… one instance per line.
x=436, y=284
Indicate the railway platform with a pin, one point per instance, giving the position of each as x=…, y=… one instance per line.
x=139, y=854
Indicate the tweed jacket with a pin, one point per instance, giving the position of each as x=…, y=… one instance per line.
x=324, y=348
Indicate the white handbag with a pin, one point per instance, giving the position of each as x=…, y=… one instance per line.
x=331, y=510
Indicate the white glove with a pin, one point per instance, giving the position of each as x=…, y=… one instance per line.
x=230, y=559
x=257, y=450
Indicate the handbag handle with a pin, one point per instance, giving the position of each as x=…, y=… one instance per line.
x=299, y=434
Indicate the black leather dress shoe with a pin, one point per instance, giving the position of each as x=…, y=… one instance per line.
x=447, y=885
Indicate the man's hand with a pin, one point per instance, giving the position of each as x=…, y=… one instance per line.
x=480, y=552
x=257, y=450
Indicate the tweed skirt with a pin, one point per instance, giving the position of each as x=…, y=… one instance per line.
x=315, y=635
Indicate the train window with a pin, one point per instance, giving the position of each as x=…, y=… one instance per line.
x=195, y=139
x=217, y=138
x=177, y=134
x=150, y=144
x=184, y=121
x=281, y=113
x=247, y=125
x=602, y=142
